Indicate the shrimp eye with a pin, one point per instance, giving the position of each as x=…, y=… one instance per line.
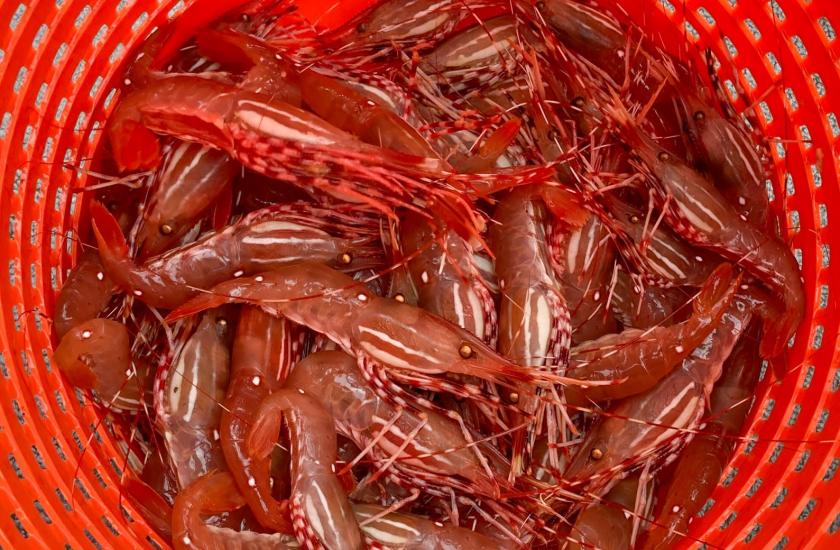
x=596, y=454
x=699, y=115
x=166, y=229
x=514, y=397
x=399, y=297
x=578, y=102
x=112, y=206
x=664, y=157
x=345, y=258
x=466, y=351
x=361, y=27
x=635, y=219
x=541, y=5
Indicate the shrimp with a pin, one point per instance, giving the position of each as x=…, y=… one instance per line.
x=656, y=424
x=95, y=355
x=216, y=493
x=590, y=33
x=638, y=306
x=476, y=56
x=411, y=532
x=321, y=513
x=637, y=359
x=730, y=156
x=189, y=182
x=292, y=145
x=396, y=22
x=705, y=457
x=264, y=350
x=438, y=454
x=189, y=410
x=83, y=295
x=660, y=256
x=446, y=278
x=587, y=259
x=388, y=338
x=604, y=525
x=534, y=322
x=698, y=212
x=261, y=240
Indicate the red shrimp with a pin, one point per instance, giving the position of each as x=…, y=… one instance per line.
x=587, y=260
x=264, y=350
x=189, y=182
x=701, y=464
x=604, y=525
x=476, y=56
x=390, y=339
x=212, y=494
x=643, y=306
x=660, y=256
x=590, y=33
x=189, y=410
x=656, y=424
x=154, y=508
x=263, y=239
x=411, y=532
x=447, y=280
x=266, y=71
x=698, y=212
x=321, y=513
x=534, y=323
x=728, y=153
x=398, y=21
x=84, y=294
x=286, y=143
x=95, y=355
x=438, y=454
x=637, y=359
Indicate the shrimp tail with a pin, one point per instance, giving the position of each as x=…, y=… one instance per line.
x=134, y=146
x=564, y=206
x=263, y=435
x=719, y=283
x=109, y=235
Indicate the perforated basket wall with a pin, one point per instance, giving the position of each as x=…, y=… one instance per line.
x=60, y=61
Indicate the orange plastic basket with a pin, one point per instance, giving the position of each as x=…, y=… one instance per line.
x=60, y=65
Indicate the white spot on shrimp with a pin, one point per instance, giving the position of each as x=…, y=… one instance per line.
x=679, y=349
x=362, y=297
x=675, y=509
x=128, y=372
x=86, y=334
x=138, y=292
x=256, y=380
x=439, y=524
x=745, y=287
x=596, y=296
x=252, y=482
x=259, y=278
x=186, y=540
x=698, y=258
x=127, y=82
x=239, y=273
x=424, y=277
x=100, y=276
x=742, y=201
x=301, y=391
x=216, y=435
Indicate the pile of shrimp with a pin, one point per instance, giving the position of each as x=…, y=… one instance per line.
x=449, y=276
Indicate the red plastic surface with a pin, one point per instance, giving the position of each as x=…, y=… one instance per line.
x=60, y=61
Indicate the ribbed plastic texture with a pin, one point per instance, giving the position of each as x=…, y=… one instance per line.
x=60, y=62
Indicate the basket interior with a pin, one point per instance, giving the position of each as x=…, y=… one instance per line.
x=60, y=65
